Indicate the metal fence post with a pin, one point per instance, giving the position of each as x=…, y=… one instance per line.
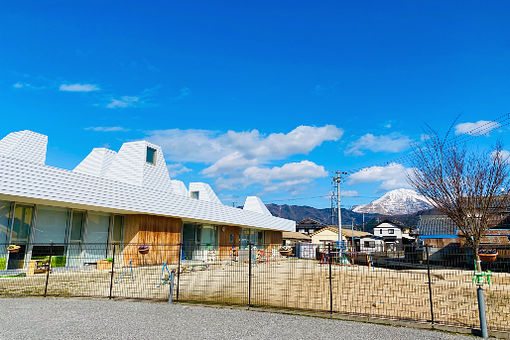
x=481, y=312
x=330, y=281
x=430, y=286
x=178, y=272
x=171, y=284
x=111, y=277
x=249, y=276
x=48, y=269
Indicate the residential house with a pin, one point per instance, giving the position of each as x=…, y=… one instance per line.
x=393, y=235
x=290, y=238
x=353, y=239
x=437, y=231
x=371, y=243
x=309, y=226
x=125, y=198
x=444, y=238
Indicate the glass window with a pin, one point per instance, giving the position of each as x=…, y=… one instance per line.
x=244, y=238
x=391, y=231
x=51, y=225
x=5, y=209
x=260, y=239
x=75, y=249
x=190, y=239
x=21, y=227
x=195, y=194
x=116, y=234
x=96, y=236
x=118, y=227
x=151, y=155
x=209, y=237
x=22, y=224
x=5, y=213
x=251, y=236
x=77, y=226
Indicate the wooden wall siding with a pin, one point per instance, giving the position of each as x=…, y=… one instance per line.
x=161, y=234
x=274, y=238
x=225, y=244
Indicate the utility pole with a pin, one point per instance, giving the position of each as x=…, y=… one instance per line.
x=337, y=180
x=352, y=235
x=363, y=221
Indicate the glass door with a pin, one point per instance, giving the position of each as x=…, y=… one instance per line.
x=209, y=246
x=75, y=249
x=190, y=240
x=115, y=237
x=96, y=236
x=5, y=218
x=20, y=235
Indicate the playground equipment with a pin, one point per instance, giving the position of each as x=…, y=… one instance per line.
x=164, y=279
x=167, y=279
x=123, y=272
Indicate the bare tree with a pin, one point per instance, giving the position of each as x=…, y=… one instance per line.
x=471, y=188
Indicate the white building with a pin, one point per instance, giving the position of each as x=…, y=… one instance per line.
x=393, y=235
x=124, y=197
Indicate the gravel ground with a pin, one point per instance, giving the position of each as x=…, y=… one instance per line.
x=37, y=318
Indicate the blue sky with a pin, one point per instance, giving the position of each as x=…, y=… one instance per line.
x=265, y=98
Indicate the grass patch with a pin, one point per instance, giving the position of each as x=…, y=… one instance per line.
x=56, y=261
x=13, y=276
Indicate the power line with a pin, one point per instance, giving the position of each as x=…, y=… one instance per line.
x=484, y=129
x=481, y=130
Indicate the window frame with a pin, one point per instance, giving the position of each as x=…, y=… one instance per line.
x=154, y=152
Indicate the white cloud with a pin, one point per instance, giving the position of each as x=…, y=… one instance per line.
x=349, y=193
x=183, y=93
x=22, y=85
x=176, y=169
x=286, y=177
x=239, y=159
x=143, y=99
x=206, y=146
x=424, y=137
x=392, y=176
x=107, y=129
x=232, y=161
x=123, y=102
x=479, y=128
x=504, y=154
x=287, y=172
x=393, y=142
x=78, y=87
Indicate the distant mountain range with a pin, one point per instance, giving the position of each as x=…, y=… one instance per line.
x=300, y=212
x=396, y=202
x=402, y=206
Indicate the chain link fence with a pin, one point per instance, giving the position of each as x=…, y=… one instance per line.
x=425, y=285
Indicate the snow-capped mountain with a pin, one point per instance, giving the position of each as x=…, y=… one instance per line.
x=396, y=202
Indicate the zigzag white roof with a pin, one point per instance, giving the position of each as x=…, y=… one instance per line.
x=205, y=192
x=26, y=145
x=97, y=162
x=27, y=179
x=253, y=203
